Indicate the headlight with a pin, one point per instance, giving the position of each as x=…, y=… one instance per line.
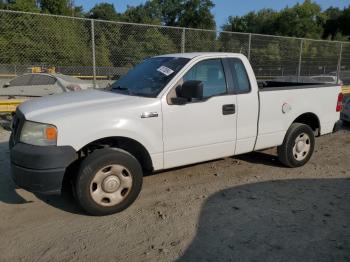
x=38, y=134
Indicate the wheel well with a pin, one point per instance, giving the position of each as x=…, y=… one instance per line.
x=130, y=145
x=311, y=120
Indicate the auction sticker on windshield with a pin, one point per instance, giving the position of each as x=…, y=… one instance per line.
x=165, y=70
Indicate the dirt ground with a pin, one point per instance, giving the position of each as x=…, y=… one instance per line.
x=246, y=208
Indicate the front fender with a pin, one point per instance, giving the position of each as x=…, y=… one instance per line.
x=147, y=132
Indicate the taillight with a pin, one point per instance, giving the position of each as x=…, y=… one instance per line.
x=339, y=102
x=73, y=87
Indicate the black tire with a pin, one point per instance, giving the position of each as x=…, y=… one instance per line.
x=285, y=151
x=96, y=161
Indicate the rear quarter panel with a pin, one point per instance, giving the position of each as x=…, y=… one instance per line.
x=274, y=123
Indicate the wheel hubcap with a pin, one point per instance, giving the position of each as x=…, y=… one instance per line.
x=301, y=147
x=110, y=185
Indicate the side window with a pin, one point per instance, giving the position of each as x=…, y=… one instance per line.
x=240, y=76
x=42, y=80
x=23, y=80
x=211, y=73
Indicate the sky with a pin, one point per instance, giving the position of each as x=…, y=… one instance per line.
x=223, y=8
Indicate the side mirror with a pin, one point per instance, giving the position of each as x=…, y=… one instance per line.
x=6, y=85
x=191, y=89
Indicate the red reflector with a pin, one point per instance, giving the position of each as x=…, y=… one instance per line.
x=339, y=103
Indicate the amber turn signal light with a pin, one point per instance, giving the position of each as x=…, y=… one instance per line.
x=51, y=133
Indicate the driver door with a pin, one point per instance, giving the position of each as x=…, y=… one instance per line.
x=204, y=129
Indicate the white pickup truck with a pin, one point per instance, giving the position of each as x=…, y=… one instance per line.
x=169, y=111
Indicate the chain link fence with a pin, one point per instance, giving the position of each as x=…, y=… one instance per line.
x=105, y=50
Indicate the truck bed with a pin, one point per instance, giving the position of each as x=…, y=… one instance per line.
x=282, y=102
x=282, y=85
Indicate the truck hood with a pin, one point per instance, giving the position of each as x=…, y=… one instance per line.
x=47, y=109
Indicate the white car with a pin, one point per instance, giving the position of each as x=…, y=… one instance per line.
x=42, y=84
x=327, y=79
x=168, y=111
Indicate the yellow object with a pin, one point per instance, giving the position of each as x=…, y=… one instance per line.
x=10, y=105
x=39, y=69
x=51, y=70
x=36, y=69
x=346, y=89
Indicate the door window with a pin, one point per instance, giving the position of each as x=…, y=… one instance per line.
x=240, y=77
x=211, y=73
x=23, y=80
x=39, y=80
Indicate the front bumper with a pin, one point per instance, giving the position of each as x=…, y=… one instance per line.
x=40, y=169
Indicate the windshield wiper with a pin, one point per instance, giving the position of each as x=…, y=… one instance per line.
x=121, y=89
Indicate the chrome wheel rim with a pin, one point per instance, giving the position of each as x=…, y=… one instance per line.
x=301, y=147
x=111, y=185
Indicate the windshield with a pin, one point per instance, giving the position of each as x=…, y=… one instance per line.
x=150, y=77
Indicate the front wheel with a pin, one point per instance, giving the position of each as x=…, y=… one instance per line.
x=109, y=181
x=298, y=146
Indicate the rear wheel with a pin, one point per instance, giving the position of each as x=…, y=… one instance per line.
x=298, y=146
x=108, y=182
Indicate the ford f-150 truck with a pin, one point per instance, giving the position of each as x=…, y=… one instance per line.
x=168, y=111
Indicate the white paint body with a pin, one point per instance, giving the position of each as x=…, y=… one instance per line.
x=190, y=133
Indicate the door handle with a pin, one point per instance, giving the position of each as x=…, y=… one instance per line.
x=149, y=114
x=228, y=109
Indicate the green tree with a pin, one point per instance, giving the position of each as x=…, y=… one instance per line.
x=36, y=40
x=107, y=42
x=137, y=47
x=169, y=11
x=184, y=13
x=144, y=13
x=336, y=25
x=197, y=14
x=301, y=20
x=344, y=21
x=261, y=22
x=103, y=11
x=332, y=27
x=60, y=7
x=22, y=5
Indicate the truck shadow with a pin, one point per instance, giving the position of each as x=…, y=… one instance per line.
x=288, y=220
x=259, y=157
x=345, y=126
x=65, y=201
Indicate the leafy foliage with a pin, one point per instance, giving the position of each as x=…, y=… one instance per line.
x=103, y=11
x=301, y=20
x=27, y=39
